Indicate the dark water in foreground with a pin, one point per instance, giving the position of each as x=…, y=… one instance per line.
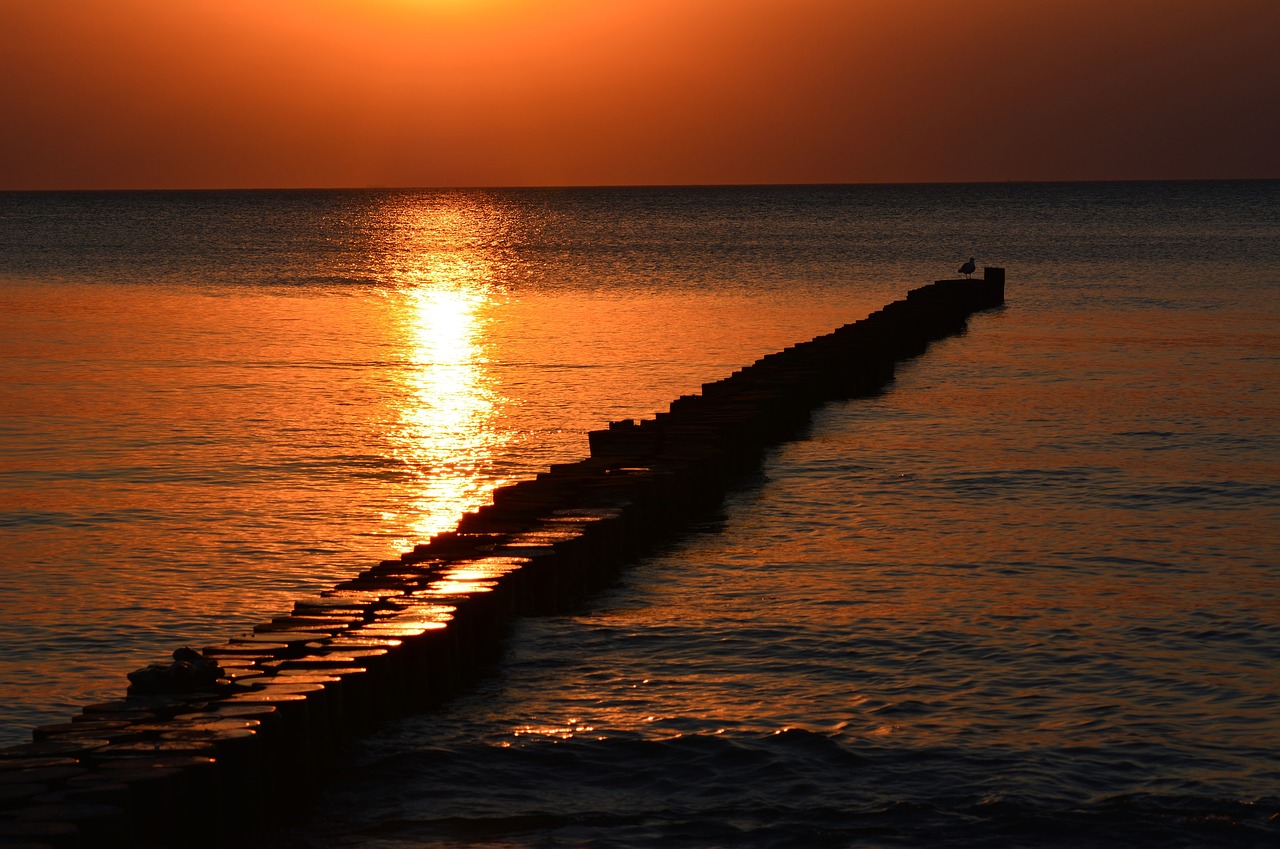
x=1026, y=597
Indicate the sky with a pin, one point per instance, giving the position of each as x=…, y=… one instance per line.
x=109, y=94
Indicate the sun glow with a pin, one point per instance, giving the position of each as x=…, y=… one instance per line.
x=461, y=13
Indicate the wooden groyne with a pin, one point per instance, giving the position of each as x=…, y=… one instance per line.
x=210, y=749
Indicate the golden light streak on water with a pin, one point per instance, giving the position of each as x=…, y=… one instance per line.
x=445, y=428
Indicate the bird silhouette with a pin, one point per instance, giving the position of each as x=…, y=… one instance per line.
x=968, y=268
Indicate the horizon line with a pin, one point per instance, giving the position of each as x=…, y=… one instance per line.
x=577, y=186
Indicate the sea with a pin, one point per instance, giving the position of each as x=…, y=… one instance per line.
x=1028, y=595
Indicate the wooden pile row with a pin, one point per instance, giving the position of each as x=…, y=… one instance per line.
x=214, y=763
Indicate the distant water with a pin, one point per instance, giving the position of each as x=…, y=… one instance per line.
x=1026, y=597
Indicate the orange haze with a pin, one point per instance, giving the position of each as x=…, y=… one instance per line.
x=285, y=93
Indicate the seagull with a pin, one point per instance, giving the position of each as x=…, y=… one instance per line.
x=968, y=268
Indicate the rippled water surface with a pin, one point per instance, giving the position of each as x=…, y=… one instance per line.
x=1025, y=597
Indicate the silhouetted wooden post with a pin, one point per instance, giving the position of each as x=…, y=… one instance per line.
x=994, y=278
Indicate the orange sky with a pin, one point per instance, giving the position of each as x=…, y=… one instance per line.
x=289, y=93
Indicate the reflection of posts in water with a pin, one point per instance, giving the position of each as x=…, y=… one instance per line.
x=406, y=633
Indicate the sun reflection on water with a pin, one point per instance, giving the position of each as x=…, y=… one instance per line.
x=445, y=429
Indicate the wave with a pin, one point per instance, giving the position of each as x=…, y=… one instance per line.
x=794, y=788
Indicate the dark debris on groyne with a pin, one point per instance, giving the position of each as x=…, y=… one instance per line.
x=212, y=748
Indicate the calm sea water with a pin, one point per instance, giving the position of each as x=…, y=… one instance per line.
x=1028, y=596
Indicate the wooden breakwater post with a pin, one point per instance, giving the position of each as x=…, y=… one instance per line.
x=212, y=749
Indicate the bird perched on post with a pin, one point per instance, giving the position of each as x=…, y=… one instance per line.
x=968, y=268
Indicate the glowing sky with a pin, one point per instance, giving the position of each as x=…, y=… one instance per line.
x=289, y=93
